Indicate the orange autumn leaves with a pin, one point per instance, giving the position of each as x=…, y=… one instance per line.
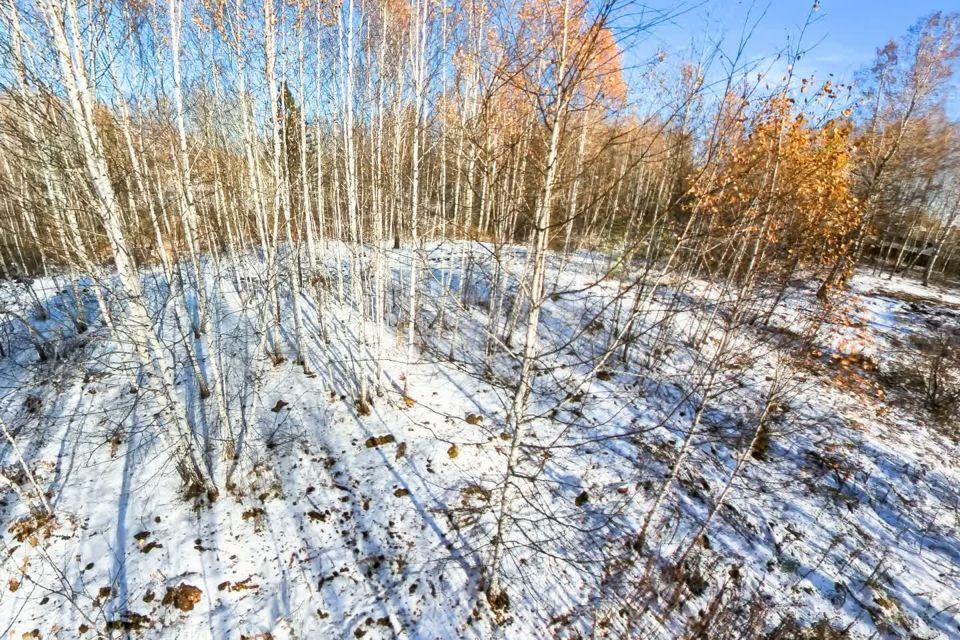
x=524, y=61
x=788, y=181
x=555, y=48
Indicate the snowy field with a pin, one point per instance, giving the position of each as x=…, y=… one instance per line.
x=845, y=508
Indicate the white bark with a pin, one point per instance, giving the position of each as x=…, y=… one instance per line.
x=147, y=343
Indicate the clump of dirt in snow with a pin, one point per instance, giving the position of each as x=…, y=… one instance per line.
x=241, y=585
x=183, y=597
x=378, y=441
x=129, y=621
x=28, y=528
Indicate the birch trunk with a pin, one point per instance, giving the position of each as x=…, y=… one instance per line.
x=147, y=343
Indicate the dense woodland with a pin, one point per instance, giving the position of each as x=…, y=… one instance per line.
x=411, y=180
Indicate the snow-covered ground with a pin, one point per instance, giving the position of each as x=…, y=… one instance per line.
x=377, y=526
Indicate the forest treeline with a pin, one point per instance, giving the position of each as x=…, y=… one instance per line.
x=315, y=142
x=229, y=124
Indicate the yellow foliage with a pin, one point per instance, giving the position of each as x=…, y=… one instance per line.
x=781, y=177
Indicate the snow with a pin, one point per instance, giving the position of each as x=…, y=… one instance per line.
x=853, y=516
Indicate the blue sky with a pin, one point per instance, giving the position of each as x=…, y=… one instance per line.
x=844, y=35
